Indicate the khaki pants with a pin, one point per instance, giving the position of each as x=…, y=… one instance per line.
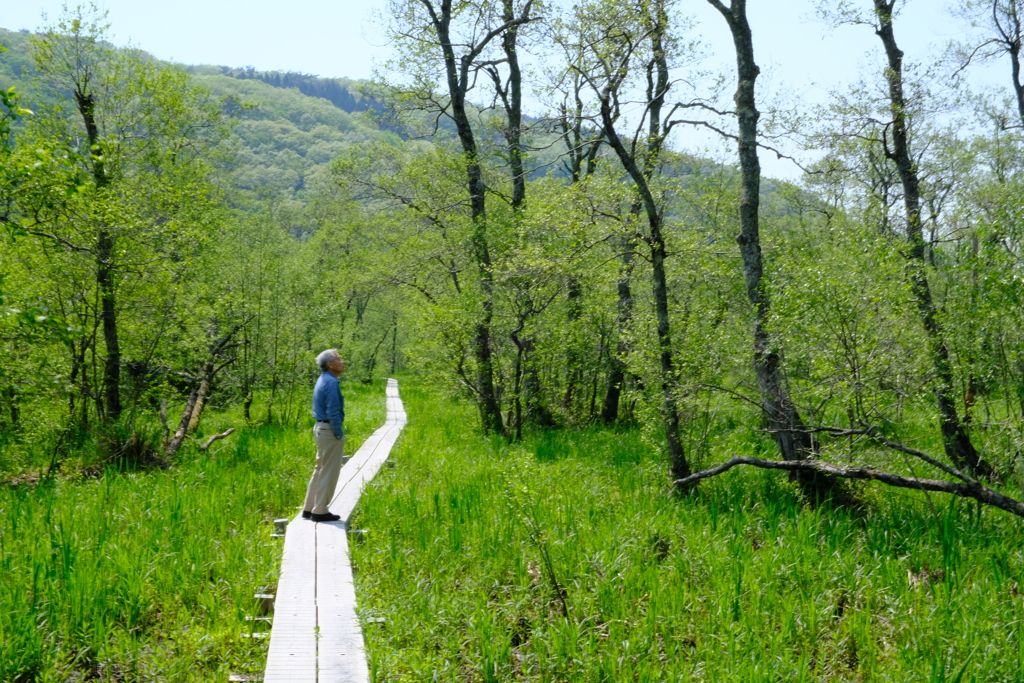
x=329, y=454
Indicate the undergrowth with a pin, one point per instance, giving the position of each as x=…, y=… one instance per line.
x=122, y=575
x=568, y=558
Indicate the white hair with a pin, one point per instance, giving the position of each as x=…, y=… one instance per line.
x=325, y=357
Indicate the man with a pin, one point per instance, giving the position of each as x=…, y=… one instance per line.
x=329, y=413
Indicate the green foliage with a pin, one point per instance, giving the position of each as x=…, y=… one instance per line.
x=141, y=576
x=184, y=207
x=472, y=541
x=286, y=140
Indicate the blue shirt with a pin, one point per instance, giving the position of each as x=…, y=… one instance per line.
x=329, y=403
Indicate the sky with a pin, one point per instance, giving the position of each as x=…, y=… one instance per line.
x=799, y=55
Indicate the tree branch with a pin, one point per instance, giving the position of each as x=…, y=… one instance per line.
x=870, y=431
x=978, y=492
x=215, y=437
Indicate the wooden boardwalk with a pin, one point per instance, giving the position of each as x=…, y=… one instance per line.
x=316, y=637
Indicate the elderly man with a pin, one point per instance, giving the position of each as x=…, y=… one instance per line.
x=329, y=412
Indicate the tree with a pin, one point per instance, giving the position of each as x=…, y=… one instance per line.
x=428, y=32
x=785, y=421
x=613, y=56
x=134, y=138
x=958, y=445
x=1002, y=21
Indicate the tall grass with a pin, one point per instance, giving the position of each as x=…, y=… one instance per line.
x=568, y=558
x=149, y=576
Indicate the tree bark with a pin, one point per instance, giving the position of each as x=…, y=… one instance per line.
x=776, y=402
x=202, y=394
x=457, y=74
x=174, y=443
x=512, y=97
x=217, y=437
x=1011, y=37
x=579, y=161
x=104, y=265
x=623, y=319
x=197, y=398
x=640, y=173
x=573, y=369
x=956, y=439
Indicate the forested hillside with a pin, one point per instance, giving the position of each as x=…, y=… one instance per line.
x=601, y=318
x=283, y=140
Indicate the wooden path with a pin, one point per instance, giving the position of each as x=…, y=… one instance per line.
x=316, y=637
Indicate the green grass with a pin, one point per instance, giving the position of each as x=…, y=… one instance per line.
x=148, y=576
x=567, y=558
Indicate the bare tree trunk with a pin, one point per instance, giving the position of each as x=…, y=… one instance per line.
x=640, y=174
x=192, y=413
x=394, y=345
x=781, y=413
x=202, y=393
x=580, y=162
x=517, y=385
x=174, y=443
x=573, y=369
x=623, y=319
x=104, y=269
x=459, y=80
x=108, y=312
x=957, y=441
x=512, y=98
x=1007, y=19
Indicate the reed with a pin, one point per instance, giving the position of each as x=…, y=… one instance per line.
x=568, y=558
x=137, y=576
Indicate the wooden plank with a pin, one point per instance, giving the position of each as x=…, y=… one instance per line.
x=370, y=457
x=316, y=597
x=292, y=654
x=341, y=656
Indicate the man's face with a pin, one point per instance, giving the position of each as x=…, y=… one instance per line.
x=336, y=366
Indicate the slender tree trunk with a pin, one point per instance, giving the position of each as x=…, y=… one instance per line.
x=536, y=412
x=192, y=413
x=574, y=371
x=655, y=238
x=680, y=465
x=957, y=441
x=517, y=385
x=1013, y=39
x=174, y=443
x=394, y=345
x=104, y=269
x=623, y=319
x=1018, y=88
x=457, y=73
x=513, y=100
x=202, y=394
x=781, y=413
x=108, y=313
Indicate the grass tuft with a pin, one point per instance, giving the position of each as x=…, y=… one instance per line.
x=148, y=574
x=566, y=558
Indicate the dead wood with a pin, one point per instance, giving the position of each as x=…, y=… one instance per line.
x=215, y=437
x=973, y=490
x=197, y=399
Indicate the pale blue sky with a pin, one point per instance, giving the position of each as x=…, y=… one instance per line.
x=341, y=38
x=798, y=54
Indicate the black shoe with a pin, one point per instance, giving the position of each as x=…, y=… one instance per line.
x=325, y=517
x=306, y=514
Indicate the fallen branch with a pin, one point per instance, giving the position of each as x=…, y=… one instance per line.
x=873, y=433
x=974, y=490
x=215, y=437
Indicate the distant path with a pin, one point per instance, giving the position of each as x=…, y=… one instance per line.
x=316, y=637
